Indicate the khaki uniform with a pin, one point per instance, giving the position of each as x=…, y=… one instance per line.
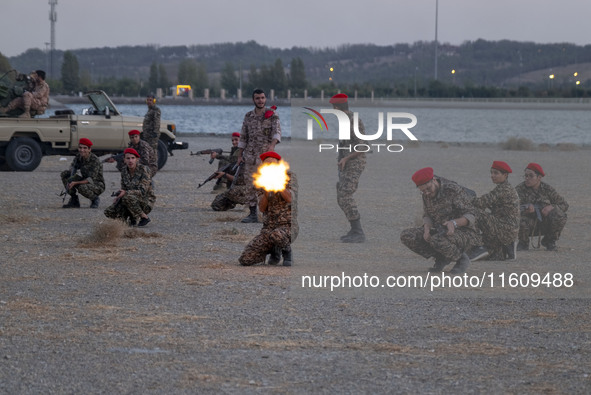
x=151, y=129
x=280, y=227
x=90, y=169
x=35, y=101
x=255, y=138
x=139, y=196
x=499, y=225
x=147, y=157
x=451, y=202
x=349, y=176
x=552, y=225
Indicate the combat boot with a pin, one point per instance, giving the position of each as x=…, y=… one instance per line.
x=521, y=246
x=275, y=256
x=287, y=259
x=510, y=251
x=440, y=263
x=356, y=234
x=26, y=114
x=74, y=202
x=461, y=265
x=252, y=217
x=95, y=202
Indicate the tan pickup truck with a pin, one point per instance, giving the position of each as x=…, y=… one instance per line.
x=24, y=141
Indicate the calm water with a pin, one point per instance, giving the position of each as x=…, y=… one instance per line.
x=434, y=124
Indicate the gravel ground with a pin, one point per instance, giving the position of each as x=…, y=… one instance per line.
x=167, y=309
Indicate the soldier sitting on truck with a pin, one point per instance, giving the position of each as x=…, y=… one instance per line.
x=31, y=103
x=90, y=182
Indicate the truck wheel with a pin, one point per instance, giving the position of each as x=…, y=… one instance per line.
x=23, y=154
x=162, y=154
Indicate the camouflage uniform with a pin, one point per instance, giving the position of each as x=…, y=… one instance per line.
x=147, y=157
x=349, y=176
x=224, y=160
x=552, y=225
x=138, y=198
x=280, y=227
x=238, y=193
x=35, y=101
x=151, y=128
x=499, y=226
x=91, y=170
x=255, y=138
x=451, y=202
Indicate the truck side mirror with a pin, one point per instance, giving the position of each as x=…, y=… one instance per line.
x=107, y=115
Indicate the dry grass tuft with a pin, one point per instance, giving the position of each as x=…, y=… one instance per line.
x=134, y=233
x=518, y=144
x=14, y=219
x=227, y=219
x=107, y=232
x=228, y=232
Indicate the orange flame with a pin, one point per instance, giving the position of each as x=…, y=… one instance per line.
x=272, y=177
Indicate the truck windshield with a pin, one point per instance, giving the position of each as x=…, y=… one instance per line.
x=100, y=102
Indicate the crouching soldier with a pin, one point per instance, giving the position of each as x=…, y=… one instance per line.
x=448, y=223
x=136, y=199
x=280, y=228
x=90, y=182
x=543, y=210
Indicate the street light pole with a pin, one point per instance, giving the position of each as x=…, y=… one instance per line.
x=436, y=20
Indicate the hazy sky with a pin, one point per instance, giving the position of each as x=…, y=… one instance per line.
x=308, y=23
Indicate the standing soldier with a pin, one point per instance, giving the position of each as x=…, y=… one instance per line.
x=499, y=226
x=151, y=126
x=135, y=199
x=350, y=164
x=90, y=183
x=543, y=210
x=261, y=131
x=280, y=227
x=448, y=223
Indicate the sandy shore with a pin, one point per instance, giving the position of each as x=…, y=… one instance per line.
x=167, y=309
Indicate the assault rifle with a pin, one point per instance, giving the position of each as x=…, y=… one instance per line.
x=219, y=151
x=118, y=158
x=537, y=208
x=65, y=191
x=438, y=230
x=229, y=168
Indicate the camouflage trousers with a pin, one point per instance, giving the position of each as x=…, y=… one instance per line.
x=550, y=227
x=229, y=199
x=346, y=187
x=129, y=206
x=440, y=245
x=250, y=190
x=262, y=244
x=90, y=191
x=27, y=101
x=495, y=234
x=153, y=142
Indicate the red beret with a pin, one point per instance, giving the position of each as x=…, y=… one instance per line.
x=270, y=154
x=85, y=141
x=235, y=134
x=537, y=168
x=423, y=176
x=502, y=166
x=338, y=98
x=133, y=132
x=131, y=151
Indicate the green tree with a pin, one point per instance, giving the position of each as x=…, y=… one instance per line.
x=194, y=74
x=4, y=64
x=277, y=78
x=153, y=81
x=70, y=72
x=163, y=81
x=297, y=77
x=229, y=79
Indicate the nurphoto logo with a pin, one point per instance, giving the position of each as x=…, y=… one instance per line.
x=392, y=124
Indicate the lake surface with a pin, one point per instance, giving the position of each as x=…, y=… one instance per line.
x=433, y=124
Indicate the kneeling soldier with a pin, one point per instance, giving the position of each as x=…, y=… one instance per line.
x=90, y=183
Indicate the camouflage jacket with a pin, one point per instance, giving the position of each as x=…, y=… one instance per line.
x=147, y=157
x=151, y=125
x=544, y=196
x=503, y=203
x=451, y=202
x=91, y=169
x=139, y=184
x=41, y=93
x=279, y=212
x=354, y=140
x=257, y=134
x=225, y=159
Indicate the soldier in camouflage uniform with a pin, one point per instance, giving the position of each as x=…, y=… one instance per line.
x=499, y=225
x=90, y=183
x=36, y=101
x=223, y=179
x=350, y=164
x=261, y=131
x=147, y=156
x=135, y=199
x=448, y=229
x=535, y=195
x=280, y=227
x=151, y=125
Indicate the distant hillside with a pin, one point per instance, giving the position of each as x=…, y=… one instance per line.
x=490, y=63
